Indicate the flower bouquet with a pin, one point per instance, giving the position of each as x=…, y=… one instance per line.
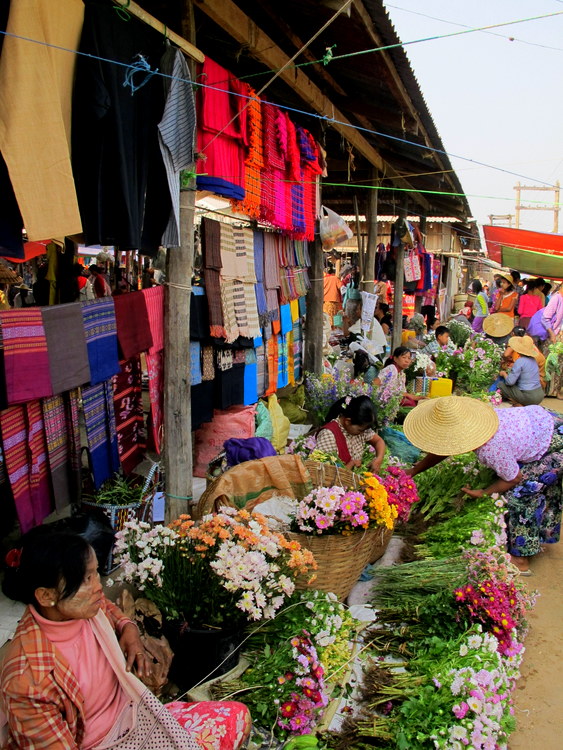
x=387, y=399
x=211, y=578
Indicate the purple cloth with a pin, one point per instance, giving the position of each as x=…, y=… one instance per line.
x=477, y=324
x=548, y=317
x=239, y=450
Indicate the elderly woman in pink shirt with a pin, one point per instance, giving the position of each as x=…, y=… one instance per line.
x=547, y=325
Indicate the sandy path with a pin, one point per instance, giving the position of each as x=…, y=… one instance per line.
x=539, y=694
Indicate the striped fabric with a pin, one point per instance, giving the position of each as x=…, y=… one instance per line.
x=176, y=134
x=26, y=359
x=129, y=421
x=99, y=418
x=154, y=299
x=58, y=413
x=25, y=455
x=155, y=371
x=98, y=317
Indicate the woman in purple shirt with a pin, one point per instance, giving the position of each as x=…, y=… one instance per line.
x=524, y=447
x=521, y=384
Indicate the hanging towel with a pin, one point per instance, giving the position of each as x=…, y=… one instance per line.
x=23, y=438
x=285, y=319
x=128, y=407
x=155, y=371
x=99, y=418
x=26, y=358
x=259, y=288
x=58, y=417
x=211, y=249
x=154, y=300
x=195, y=362
x=98, y=317
x=176, y=133
x=133, y=329
x=66, y=342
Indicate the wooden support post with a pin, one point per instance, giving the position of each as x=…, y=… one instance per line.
x=359, y=238
x=398, y=292
x=177, y=376
x=314, y=322
x=371, y=250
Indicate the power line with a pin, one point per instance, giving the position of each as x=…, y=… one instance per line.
x=313, y=115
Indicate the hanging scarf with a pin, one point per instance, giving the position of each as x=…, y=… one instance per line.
x=99, y=418
x=128, y=408
x=133, y=329
x=155, y=372
x=60, y=416
x=98, y=317
x=26, y=357
x=154, y=300
x=23, y=437
x=68, y=355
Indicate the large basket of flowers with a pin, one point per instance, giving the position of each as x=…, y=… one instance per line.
x=345, y=522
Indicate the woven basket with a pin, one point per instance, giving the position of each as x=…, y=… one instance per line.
x=340, y=559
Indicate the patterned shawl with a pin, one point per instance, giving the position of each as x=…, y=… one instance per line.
x=98, y=317
x=23, y=437
x=26, y=358
x=99, y=418
x=62, y=432
x=211, y=249
x=128, y=408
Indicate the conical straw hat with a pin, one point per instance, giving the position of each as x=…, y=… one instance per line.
x=451, y=425
x=523, y=345
x=498, y=325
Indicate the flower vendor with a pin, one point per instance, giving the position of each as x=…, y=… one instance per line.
x=507, y=297
x=521, y=384
x=523, y=446
x=393, y=375
x=66, y=679
x=348, y=429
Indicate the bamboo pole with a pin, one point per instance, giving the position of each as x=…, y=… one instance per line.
x=371, y=217
x=135, y=10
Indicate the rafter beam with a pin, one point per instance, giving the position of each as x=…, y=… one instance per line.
x=396, y=81
x=261, y=47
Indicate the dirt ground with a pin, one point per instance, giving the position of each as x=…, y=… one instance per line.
x=539, y=693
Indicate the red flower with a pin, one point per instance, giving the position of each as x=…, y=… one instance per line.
x=288, y=709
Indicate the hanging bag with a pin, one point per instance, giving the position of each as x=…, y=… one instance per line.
x=412, y=267
x=333, y=229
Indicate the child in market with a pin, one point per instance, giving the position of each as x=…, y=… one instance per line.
x=348, y=429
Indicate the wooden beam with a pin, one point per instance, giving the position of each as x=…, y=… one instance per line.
x=261, y=47
x=397, y=83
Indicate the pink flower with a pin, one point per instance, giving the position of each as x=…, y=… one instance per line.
x=461, y=710
x=322, y=522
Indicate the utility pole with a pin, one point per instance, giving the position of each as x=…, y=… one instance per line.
x=554, y=207
x=371, y=219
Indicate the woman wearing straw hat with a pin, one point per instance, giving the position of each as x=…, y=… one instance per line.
x=498, y=327
x=524, y=447
x=521, y=384
x=507, y=298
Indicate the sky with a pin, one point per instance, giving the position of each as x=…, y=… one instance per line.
x=493, y=100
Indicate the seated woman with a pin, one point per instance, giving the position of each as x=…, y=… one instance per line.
x=393, y=373
x=521, y=384
x=348, y=429
x=66, y=680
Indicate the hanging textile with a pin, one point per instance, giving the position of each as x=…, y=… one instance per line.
x=297, y=336
x=211, y=250
x=311, y=171
x=274, y=165
x=272, y=366
x=23, y=438
x=199, y=318
x=128, y=407
x=246, y=310
x=66, y=343
x=254, y=162
x=98, y=317
x=60, y=417
x=120, y=178
x=250, y=378
x=26, y=358
x=133, y=329
x=207, y=366
x=155, y=372
x=271, y=275
x=195, y=363
x=259, y=288
x=283, y=372
x=154, y=301
x=176, y=132
x=35, y=111
x=221, y=132
x=99, y=419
